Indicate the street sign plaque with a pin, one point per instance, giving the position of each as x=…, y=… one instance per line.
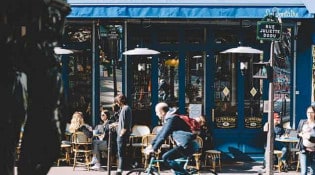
x=269, y=30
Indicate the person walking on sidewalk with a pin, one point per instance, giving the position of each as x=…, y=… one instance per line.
x=306, y=144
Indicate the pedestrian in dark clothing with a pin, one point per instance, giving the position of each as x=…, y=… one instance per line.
x=123, y=130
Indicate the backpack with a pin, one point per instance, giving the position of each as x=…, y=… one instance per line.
x=192, y=123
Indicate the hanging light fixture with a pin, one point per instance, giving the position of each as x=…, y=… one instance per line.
x=243, y=49
x=61, y=51
x=141, y=51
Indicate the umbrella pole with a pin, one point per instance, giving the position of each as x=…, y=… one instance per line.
x=109, y=153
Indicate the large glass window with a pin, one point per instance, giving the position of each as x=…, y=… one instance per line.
x=194, y=89
x=282, y=76
x=225, y=95
x=168, y=77
x=141, y=92
x=80, y=69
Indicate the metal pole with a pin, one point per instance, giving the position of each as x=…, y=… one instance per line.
x=109, y=153
x=270, y=136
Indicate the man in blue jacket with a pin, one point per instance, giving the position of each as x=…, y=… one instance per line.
x=181, y=134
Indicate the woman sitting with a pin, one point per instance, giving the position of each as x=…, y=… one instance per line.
x=101, y=141
x=78, y=124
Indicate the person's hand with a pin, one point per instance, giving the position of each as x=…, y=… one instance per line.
x=113, y=125
x=305, y=135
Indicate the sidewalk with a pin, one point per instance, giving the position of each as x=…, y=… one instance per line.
x=244, y=168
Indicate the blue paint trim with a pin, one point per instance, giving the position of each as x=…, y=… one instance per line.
x=304, y=70
x=65, y=79
x=187, y=12
x=96, y=82
x=154, y=87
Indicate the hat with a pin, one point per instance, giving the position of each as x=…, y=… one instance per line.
x=276, y=116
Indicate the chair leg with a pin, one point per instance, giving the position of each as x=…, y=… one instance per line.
x=197, y=160
x=87, y=160
x=74, y=160
x=213, y=164
x=219, y=162
x=298, y=163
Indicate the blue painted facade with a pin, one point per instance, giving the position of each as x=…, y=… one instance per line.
x=293, y=12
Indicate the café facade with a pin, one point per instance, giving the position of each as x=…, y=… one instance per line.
x=190, y=38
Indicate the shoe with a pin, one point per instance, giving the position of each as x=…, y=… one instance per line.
x=118, y=173
x=285, y=167
x=94, y=161
x=96, y=167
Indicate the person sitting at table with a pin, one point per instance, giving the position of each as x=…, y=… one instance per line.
x=279, y=132
x=77, y=124
x=100, y=143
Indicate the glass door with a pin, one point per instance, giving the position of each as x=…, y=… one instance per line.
x=237, y=95
x=225, y=112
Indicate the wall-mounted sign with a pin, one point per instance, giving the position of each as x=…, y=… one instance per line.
x=226, y=122
x=195, y=110
x=253, y=122
x=269, y=30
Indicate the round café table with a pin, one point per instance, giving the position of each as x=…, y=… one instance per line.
x=290, y=142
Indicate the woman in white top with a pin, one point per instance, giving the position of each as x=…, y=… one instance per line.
x=306, y=133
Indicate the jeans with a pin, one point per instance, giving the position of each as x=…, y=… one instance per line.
x=121, y=149
x=281, y=146
x=99, y=145
x=169, y=159
x=179, y=152
x=307, y=159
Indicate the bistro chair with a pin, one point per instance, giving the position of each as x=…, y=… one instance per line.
x=278, y=154
x=198, y=154
x=138, y=131
x=213, y=156
x=82, y=148
x=166, y=145
x=156, y=129
x=65, y=147
x=146, y=141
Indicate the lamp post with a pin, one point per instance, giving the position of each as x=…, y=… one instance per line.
x=270, y=134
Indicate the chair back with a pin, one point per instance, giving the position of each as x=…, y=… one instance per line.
x=140, y=130
x=147, y=139
x=80, y=138
x=156, y=129
x=200, y=142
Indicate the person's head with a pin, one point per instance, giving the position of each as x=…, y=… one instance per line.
x=105, y=115
x=161, y=109
x=76, y=122
x=102, y=108
x=310, y=113
x=120, y=99
x=201, y=120
x=115, y=107
x=276, y=118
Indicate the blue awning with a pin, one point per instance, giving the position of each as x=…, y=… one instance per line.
x=198, y=9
